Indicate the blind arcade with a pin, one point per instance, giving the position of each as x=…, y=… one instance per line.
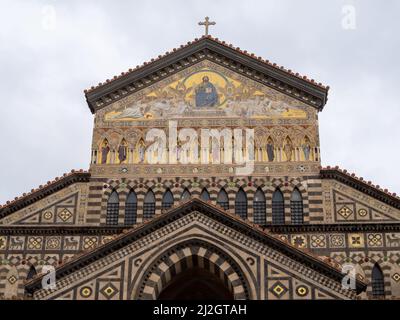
x=236, y=146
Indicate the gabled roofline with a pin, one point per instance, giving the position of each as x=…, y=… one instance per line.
x=263, y=71
x=360, y=184
x=43, y=191
x=329, y=269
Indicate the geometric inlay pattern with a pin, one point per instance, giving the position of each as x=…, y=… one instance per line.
x=3, y=242
x=12, y=279
x=109, y=290
x=89, y=242
x=345, y=212
x=356, y=240
x=35, y=243
x=53, y=243
x=86, y=291
x=375, y=239
x=337, y=241
x=65, y=215
x=362, y=212
x=396, y=277
x=299, y=241
x=302, y=291
x=278, y=289
x=318, y=241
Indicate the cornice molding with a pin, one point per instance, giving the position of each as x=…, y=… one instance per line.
x=62, y=230
x=360, y=185
x=43, y=191
x=348, y=227
x=208, y=48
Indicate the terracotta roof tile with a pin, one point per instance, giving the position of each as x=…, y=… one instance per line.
x=41, y=187
x=244, y=52
x=361, y=180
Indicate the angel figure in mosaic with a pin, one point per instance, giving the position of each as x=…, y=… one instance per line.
x=135, y=111
x=180, y=91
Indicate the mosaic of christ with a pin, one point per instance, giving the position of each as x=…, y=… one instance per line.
x=205, y=93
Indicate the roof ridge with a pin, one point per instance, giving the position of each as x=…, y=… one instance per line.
x=361, y=180
x=228, y=45
x=41, y=187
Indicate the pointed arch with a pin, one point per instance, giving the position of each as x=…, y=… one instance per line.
x=131, y=208
x=168, y=199
x=378, y=282
x=149, y=205
x=31, y=273
x=278, y=207
x=205, y=195
x=259, y=207
x=296, y=207
x=241, y=204
x=112, y=209
x=186, y=194
x=222, y=199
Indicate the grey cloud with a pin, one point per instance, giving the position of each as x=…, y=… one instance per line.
x=46, y=125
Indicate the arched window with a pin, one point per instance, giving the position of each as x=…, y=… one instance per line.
x=222, y=199
x=378, y=282
x=185, y=194
x=259, y=207
x=112, y=209
x=168, y=200
x=131, y=208
x=296, y=207
x=205, y=195
x=241, y=204
x=149, y=205
x=278, y=208
x=31, y=273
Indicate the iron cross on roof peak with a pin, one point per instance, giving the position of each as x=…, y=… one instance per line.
x=207, y=23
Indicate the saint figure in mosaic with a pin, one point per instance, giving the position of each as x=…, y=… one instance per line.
x=122, y=151
x=104, y=152
x=288, y=149
x=306, y=149
x=270, y=150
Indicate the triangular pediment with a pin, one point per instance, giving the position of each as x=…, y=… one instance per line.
x=196, y=222
x=207, y=48
x=205, y=90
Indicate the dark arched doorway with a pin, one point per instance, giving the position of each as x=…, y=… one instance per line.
x=196, y=284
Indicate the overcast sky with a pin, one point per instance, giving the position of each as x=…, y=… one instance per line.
x=50, y=51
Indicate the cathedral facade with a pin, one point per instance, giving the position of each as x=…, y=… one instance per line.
x=205, y=181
